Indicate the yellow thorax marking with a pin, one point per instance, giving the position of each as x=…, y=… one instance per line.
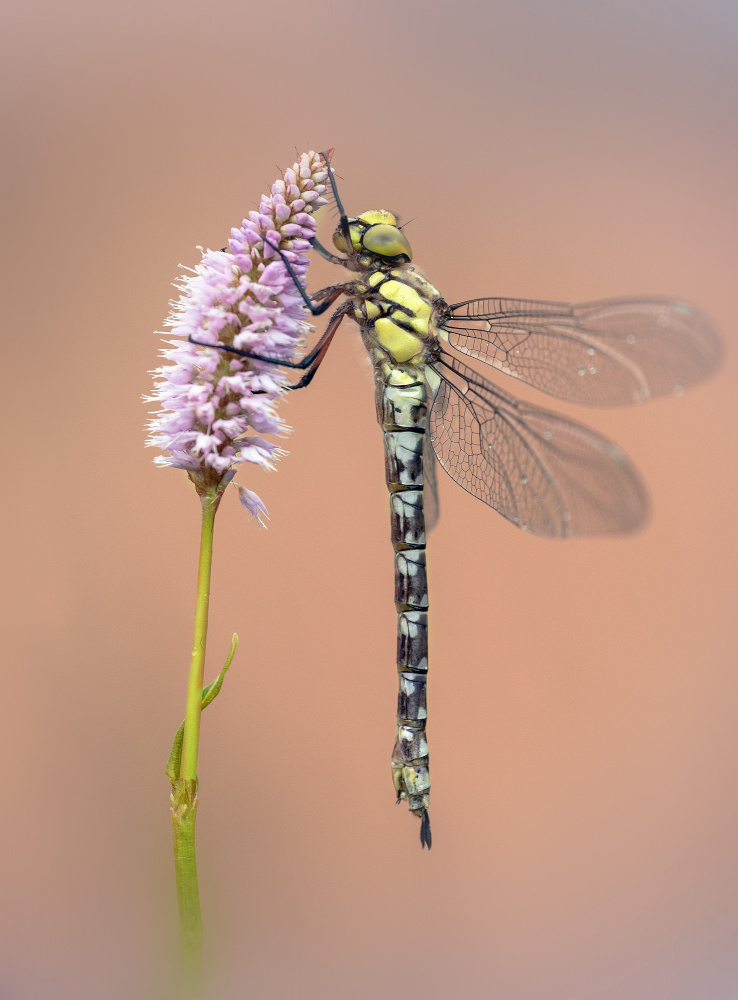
x=398, y=342
x=402, y=295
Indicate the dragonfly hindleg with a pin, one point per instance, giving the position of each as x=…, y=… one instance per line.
x=311, y=361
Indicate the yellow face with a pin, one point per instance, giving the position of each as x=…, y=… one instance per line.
x=375, y=232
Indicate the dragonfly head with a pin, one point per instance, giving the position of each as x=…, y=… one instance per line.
x=376, y=233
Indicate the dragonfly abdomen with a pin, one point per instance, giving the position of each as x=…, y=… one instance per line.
x=402, y=413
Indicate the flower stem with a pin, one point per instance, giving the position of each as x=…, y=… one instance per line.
x=183, y=807
x=210, y=502
x=184, y=786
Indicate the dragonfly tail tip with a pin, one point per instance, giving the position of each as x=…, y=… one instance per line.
x=425, y=830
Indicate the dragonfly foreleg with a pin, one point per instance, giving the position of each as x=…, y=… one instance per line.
x=326, y=254
x=330, y=292
x=343, y=222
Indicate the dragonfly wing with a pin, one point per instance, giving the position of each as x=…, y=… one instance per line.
x=612, y=353
x=543, y=472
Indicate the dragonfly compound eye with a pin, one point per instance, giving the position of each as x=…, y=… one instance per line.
x=377, y=232
x=387, y=241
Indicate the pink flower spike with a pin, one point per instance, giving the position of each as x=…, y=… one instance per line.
x=243, y=298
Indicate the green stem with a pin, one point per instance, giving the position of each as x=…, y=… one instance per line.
x=184, y=785
x=197, y=663
x=184, y=811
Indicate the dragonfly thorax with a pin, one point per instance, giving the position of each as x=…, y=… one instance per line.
x=395, y=308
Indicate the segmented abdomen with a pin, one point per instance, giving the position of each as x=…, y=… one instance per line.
x=402, y=413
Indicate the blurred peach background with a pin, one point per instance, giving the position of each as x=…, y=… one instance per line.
x=583, y=695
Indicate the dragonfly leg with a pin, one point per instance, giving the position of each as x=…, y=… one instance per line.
x=343, y=220
x=333, y=290
x=306, y=362
x=319, y=352
x=332, y=257
x=303, y=363
x=311, y=361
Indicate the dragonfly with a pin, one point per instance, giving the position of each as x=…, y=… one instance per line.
x=543, y=472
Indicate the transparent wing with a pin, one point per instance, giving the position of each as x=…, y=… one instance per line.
x=431, y=503
x=547, y=474
x=611, y=353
